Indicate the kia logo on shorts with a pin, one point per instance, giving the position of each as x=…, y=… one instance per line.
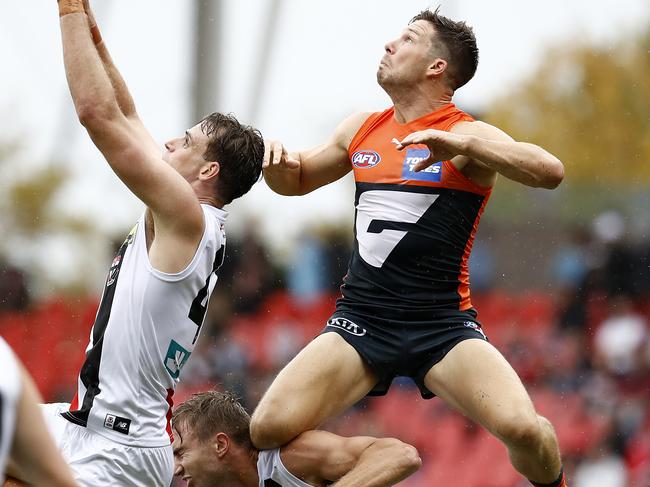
x=346, y=325
x=364, y=159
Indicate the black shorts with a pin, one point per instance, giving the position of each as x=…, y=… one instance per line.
x=394, y=348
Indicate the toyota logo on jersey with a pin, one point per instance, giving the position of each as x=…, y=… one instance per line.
x=365, y=159
x=431, y=173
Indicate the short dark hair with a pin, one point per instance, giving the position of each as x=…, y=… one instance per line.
x=207, y=413
x=239, y=150
x=458, y=43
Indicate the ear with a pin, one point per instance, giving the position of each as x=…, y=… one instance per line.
x=437, y=67
x=221, y=444
x=209, y=170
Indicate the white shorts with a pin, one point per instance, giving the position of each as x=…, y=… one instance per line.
x=97, y=461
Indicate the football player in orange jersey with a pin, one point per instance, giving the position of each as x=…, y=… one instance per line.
x=424, y=171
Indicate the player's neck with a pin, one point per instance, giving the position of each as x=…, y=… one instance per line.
x=243, y=470
x=415, y=103
x=209, y=200
x=206, y=195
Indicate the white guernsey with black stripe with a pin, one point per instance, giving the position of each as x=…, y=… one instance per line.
x=144, y=332
x=272, y=472
x=10, y=390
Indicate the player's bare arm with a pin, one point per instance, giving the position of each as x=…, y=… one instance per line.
x=320, y=458
x=481, y=151
x=299, y=173
x=176, y=210
x=34, y=457
x=122, y=94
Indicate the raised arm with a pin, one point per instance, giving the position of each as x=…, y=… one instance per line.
x=320, y=457
x=485, y=150
x=121, y=90
x=299, y=173
x=106, y=110
x=124, y=99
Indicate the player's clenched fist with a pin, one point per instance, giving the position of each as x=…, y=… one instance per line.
x=277, y=157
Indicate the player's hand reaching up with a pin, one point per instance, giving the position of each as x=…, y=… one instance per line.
x=442, y=145
x=276, y=157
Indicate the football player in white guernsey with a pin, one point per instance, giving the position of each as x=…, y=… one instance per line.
x=25, y=444
x=117, y=431
x=212, y=446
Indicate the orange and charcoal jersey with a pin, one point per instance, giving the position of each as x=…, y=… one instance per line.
x=413, y=230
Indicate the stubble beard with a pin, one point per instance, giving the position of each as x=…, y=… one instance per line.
x=383, y=80
x=388, y=83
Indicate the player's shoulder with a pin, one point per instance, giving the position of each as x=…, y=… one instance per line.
x=351, y=126
x=184, y=223
x=352, y=123
x=273, y=471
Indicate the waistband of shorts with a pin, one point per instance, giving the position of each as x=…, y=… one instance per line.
x=130, y=441
x=373, y=311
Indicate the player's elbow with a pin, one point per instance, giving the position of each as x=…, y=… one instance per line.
x=553, y=174
x=406, y=457
x=92, y=115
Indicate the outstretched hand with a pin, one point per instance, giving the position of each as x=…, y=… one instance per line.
x=277, y=157
x=442, y=145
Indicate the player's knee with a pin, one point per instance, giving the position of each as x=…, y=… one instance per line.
x=545, y=424
x=268, y=430
x=259, y=430
x=522, y=430
x=548, y=431
x=407, y=456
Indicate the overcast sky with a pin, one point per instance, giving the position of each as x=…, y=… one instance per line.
x=321, y=69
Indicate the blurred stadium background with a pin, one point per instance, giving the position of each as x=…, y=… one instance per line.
x=561, y=279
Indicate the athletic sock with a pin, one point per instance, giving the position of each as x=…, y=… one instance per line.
x=560, y=482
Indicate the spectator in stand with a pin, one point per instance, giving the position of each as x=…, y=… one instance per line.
x=248, y=272
x=620, y=339
x=13, y=288
x=570, y=262
x=307, y=273
x=602, y=468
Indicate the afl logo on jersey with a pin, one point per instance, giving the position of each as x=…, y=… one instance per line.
x=365, y=159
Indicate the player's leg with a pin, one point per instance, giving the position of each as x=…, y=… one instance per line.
x=477, y=380
x=325, y=378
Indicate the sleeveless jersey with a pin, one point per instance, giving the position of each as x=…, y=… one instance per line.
x=272, y=472
x=10, y=390
x=413, y=230
x=144, y=332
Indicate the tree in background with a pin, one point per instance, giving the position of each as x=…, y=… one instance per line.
x=590, y=106
x=37, y=234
